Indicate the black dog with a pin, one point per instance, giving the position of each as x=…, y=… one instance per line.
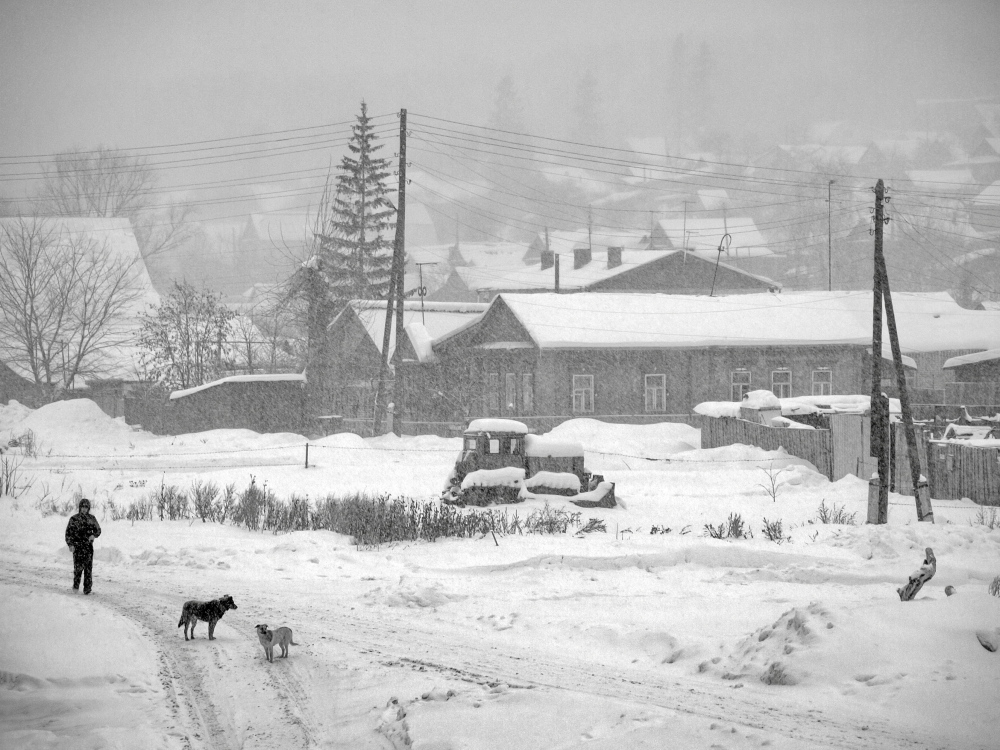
x=210, y=612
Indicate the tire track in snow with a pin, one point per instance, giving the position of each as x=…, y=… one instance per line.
x=189, y=676
x=486, y=663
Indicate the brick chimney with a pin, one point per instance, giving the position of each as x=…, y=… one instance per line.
x=581, y=256
x=614, y=257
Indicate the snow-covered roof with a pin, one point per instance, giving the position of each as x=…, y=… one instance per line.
x=487, y=254
x=705, y=234
x=925, y=321
x=990, y=195
x=989, y=355
x=714, y=199
x=438, y=319
x=264, y=378
x=941, y=180
x=497, y=425
x=598, y=238
x=519, y=276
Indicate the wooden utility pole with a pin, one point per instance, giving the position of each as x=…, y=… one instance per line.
x=921, y=492
x=878, y=494
x=422, y=290
x=395, y=287
x=399, y=258
x=829, y=235
x=883, y=294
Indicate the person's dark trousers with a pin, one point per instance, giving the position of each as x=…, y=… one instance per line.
x=83, y=564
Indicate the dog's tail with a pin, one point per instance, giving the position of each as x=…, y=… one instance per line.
x=293, y=643
x=183, y=618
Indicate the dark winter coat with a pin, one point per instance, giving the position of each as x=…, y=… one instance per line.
x=80, y=528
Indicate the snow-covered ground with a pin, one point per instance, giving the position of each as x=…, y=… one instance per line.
x=615, y=639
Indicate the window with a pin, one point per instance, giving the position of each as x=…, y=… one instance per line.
x=470, y=444
x=583, y=393
x=512, y=446
x=822, y=382
x=781, y=383
x=527, y=393
x=494, y=445
x=493, y=392
x=510, y=391
x=741, y=384
x=656, y=393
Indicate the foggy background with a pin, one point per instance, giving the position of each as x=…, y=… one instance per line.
x=180, y=83
x=127, y=74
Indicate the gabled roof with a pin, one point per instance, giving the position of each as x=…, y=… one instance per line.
x=990, y=355
x=990, y=195
x=438, y=319
x=941, y=180
x=705, y=234
x=926, y=322
x=522, y=277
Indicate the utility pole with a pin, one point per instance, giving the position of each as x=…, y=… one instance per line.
x=399, y=256
x=684, y=232
x=829, y=235
x=726, y=240
x=590, y=230
x=878, y=493
x=394, y=286
x=422, y=290
x=882, y=293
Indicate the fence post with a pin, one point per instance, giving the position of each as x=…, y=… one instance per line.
x=874, y=506
x=307, y=455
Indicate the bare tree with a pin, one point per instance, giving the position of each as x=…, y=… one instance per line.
x=64, y=300
x=185, y=337
x=111, y=182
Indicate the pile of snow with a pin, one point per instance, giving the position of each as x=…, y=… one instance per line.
x=549, y=447
x=508, y=476
x=761, y=400
x=652, y=440
x=496, y=425
x=556, y=480
x=92, y=431
x=789, y=423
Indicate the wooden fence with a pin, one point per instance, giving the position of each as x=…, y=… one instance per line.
x=956, y=471
x=815, y=446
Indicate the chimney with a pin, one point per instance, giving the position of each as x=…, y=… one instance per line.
x=581, y=256
x=614, y=257
x=557, y=273
x=547, y=259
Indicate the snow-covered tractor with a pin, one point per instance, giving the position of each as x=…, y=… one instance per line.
x=501, y=463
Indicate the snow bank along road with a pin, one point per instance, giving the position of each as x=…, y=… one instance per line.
x=334, y=689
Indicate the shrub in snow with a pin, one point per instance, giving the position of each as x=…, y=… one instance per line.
x=835, y=514
x=988, y=517
x=204, y=495
x=774, y=532
x=995, y=586
x=733, y=528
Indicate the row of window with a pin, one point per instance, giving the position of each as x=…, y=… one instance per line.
x=518, y=390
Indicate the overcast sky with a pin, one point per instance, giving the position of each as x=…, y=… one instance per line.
x=134, y=73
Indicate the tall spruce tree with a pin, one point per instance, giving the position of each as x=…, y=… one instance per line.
x=358, y=248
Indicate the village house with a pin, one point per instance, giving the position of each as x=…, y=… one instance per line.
x=609, y=270
x=544, y=358
x=976, y=378
x=355, y=340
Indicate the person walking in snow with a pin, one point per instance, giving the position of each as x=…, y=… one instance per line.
x=81, y=531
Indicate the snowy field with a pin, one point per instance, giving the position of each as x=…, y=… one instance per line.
x=615, y=639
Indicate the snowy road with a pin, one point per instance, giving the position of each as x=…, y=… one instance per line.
x=353, y=660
